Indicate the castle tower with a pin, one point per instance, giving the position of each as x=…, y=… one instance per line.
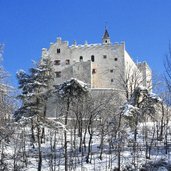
x=106, y=38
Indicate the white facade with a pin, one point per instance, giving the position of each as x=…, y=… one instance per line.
x=102, y=66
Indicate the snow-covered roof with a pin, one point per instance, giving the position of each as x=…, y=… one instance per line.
x=62, y=88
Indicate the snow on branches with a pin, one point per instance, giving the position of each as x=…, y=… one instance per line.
x=34, y=88
x=141, y=101
x=73, y=87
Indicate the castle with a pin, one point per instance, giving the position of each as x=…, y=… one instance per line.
x=105, y=67
x=101, y=66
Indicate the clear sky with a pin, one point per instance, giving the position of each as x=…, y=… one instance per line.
x=27, y=26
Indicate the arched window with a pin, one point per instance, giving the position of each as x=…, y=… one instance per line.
x=92, y=58
x=81, y=58
x=58, y=50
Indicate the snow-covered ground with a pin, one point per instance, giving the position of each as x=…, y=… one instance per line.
x=20, y=150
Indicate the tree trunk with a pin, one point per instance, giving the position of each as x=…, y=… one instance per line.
x=65, y=135
x=32, y=133
x=119, y=157
x=39, y=148
x=101, y=143
x=80, y=132
x=43, y=129
x=89, y=149
x=162, y=125
x=84, y=138
x=90, y=139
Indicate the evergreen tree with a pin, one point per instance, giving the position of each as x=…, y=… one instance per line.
x=35, y=88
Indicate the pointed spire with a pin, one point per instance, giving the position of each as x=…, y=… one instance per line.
x=106, y=37
x=106, y=34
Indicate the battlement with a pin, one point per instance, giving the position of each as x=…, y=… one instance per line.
x=143, y=65
x=104, y=65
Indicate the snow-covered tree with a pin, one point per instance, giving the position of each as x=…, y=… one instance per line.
x=6, y=101
x=7, y=105
x=71, y=94
x=143, y=106
x=35, y=88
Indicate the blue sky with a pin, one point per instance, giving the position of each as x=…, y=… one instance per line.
x=27, y=26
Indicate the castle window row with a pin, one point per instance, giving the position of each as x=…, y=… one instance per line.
x=93, y=58
x=58, y=73
x=67, y=61
x=58, y=62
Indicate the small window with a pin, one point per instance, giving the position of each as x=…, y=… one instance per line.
x=104, y=56
x=116, y=59
x=93, y=71
x=106, y=41
x=58, y=50
x=111, y=80
x=111, y=70
x=58, y=74
x=81, y=58
x=57, y=62
x=92, y=58
x=67, y=62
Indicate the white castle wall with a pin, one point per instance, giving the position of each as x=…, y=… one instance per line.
x=146, y=74
x=112, y=64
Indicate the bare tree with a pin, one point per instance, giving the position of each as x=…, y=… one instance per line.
x=69, y=93
x=132, y=78
x=7, y=106
x=167, y=65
